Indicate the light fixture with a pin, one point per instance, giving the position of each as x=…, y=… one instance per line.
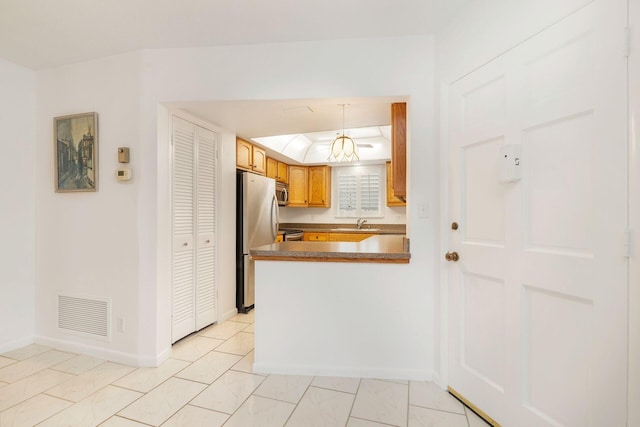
x=343, y=148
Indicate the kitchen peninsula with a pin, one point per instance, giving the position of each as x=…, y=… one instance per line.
x=316, y=303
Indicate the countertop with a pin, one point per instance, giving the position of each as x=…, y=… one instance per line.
x=377, y=248
x=347, y=228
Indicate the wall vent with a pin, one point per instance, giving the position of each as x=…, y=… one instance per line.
x=86, y=316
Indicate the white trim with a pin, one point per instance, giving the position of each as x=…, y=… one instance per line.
x=443, y=375
x=16, y=344
x=348, y=372
x=228, y=315
x=633, y=373
x=128, y=359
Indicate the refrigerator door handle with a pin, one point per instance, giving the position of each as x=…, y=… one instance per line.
x=275, y=219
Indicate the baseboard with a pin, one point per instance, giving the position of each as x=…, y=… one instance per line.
x=228, y=315
x=15, y=344
x=352, y=372
x=128, y=359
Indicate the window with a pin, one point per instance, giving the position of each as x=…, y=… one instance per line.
x=360, y=191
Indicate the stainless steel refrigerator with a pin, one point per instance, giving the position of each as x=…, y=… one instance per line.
x=256, y=225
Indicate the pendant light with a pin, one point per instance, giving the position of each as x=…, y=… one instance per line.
x=343, y=148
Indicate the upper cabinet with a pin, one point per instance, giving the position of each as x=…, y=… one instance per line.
x=277, y=170
x=319, y=186
x=250, y=157
x=392, y=200
x=399, y=149
x=298, y=190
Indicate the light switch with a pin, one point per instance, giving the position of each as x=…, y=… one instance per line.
x=423, y=210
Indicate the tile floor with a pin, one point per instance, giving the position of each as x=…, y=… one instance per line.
x=207, y=381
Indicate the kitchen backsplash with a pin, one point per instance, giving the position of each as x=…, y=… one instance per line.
x=392, y=215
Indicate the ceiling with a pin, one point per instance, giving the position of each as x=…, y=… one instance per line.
x=42, y=34
x=312, y=121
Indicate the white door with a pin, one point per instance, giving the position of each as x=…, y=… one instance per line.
x=206, y=303
x=537, y=299
x=194, y=303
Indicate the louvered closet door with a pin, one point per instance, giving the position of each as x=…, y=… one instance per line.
x=183, y=216
x=206, y=307
x=194, y=249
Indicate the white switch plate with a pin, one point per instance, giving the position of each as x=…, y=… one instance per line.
x=423, y=210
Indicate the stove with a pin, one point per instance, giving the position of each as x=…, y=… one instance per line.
x=291, y=234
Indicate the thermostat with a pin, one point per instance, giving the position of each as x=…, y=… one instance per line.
x=510, y=163
x=123, y=174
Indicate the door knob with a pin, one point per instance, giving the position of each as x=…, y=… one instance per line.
x=452, y=256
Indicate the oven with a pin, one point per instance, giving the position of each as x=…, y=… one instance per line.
x=291, y=234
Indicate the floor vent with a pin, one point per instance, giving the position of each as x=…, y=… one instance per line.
x=85, y=316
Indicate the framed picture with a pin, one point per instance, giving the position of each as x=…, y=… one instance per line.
x=76, y=152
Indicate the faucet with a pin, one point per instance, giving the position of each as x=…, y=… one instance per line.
x=360, y=222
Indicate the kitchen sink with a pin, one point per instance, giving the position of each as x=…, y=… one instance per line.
x=359, y=230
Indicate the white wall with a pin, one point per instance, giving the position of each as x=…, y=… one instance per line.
x=114, y=243
x=286, y=71
x=17, y=168
x=390, y=215
x=88, y=243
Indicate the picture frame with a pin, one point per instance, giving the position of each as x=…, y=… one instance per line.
x=75, y=139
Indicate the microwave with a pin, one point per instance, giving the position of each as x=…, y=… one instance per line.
x=282, y=193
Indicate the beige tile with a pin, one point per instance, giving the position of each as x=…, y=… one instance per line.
x=288, y=388
x=196, y=417
x=261, y=412
x=89, y=382
x=428, y=395
x=241, y=344
x=348, y=385
x=224, y=330
x=117, y=421
x=5, y=361
x=145, y=379
x=32, y=411
x=93, y=410
x=251, y=328
x=193, y=348
x=27, y=352
x=209, y=368
x=160, y=403
x=474, y=420
x=228, y=392
x=423, y=417
x=381, y=401
x=322, y=408
x=246, y=363
x=24, y=368
x=78, y=364
x=357, y=422
x=244, y=318
x=28, y=387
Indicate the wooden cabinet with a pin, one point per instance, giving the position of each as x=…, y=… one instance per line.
x=272, y=168
x=392, y=200
x=348, y=237
x=283, y=172
x=399, y=149
x=277, y=170
x=315, y=237
x=298, y=188
x=319, y=186
x=250, y=157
